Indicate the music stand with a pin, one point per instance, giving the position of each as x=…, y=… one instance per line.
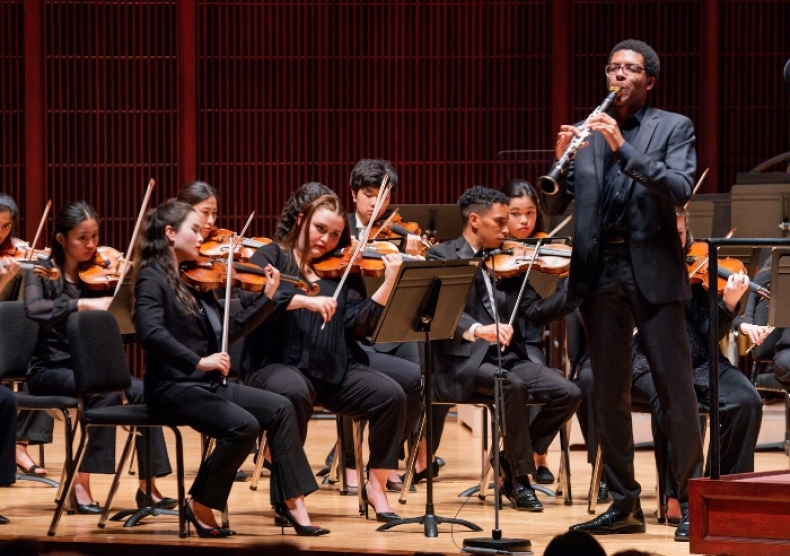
x=426, y=304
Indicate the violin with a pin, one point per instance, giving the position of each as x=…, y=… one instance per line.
x=218, y=244
x=208, y=274
x=394, y=227
x=697, y=263
x=104, y=270
x=21, y=250
x=369, y=263
x=551, y=259
x=42, y=267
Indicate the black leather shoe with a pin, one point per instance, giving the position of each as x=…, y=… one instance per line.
x=241, y=476
x=87, y=509
x=524, y=499
x=543, y=476
x=422, y=475
x=440, y=461
x=164, y=503
x=682, y=532
x=382, y=517
x=3, y=520
x=612, y=522
x=603, y=492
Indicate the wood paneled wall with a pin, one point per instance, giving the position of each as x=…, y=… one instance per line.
x=258, y=96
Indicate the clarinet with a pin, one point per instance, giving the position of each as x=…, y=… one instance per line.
x=550, y=182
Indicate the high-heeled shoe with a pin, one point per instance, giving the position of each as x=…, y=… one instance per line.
x=422, y=475
x=284, y=513
x=164, y=503
x=383, y=517
x=205, y=532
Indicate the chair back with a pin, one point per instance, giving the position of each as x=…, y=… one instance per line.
x=97, y=355
x=17, y=340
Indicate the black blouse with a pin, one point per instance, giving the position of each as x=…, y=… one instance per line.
x=296, y=338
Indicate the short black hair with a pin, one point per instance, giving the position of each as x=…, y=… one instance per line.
x=370, y=171
x=652, y=63
x=479, y=199
x=7, y=204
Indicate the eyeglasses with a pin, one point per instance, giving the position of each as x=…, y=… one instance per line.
x=628, y=69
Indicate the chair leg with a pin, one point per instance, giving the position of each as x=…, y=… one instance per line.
x=225, y=519
x=182, y=519
x=565, y=465
x=68, y=484
x=127, y=450
x=359, y=431
x=408, y=478
x=338, y=468
x=595, y=480
x=256, y=476
x=131, y=470
x=70, y=429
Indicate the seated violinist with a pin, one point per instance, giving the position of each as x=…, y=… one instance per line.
x=8, y=269
x=740, y=407
x=49, y=303
x=466, y=364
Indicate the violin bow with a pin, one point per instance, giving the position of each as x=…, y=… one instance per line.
x=696, y=187
x=125, y=263
x=235, y=240
x=384, y=190
x=40, y=228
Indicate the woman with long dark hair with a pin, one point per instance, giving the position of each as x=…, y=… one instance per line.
x=49, y=303
x=180, y=329
x=309, y=353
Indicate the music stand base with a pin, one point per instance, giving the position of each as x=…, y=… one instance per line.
x=491, y=545
x=431, y=523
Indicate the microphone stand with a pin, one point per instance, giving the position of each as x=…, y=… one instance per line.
x=496, y=543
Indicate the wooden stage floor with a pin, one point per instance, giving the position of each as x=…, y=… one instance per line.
x=29, y=506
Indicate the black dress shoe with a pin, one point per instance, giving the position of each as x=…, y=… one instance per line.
x=422, y=475
x=397, y=486
x=382, y=517
x=3, y=520
x=87, y=509
x=682, y=532
x=543, y=476
x=164, y=503
x=523, y=498
x=612, y=522
x=603, y=492
x=440, y=461
x=241, y=476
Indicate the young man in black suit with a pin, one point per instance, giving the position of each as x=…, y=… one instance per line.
x=466, y=364
x=628, y=268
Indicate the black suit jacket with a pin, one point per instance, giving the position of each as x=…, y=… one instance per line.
x=175, y=340
x=456, y=361
x=662, y=170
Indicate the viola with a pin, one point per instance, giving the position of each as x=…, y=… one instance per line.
x=369, y=262
x=218, y=244
x=697, y=263
x=43, y=267
x=104, y=270
x=208, y=274
x=551, y=259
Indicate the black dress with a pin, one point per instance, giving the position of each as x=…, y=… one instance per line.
x=174, y=341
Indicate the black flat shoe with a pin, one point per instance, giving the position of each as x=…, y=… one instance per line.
x=543, y=476
x=3, y=520
x=603, y=492
x=205, y=532
x=440, y=461
x=87, y=509
x=524, y=499
x=612, y=522
x=397, y=486
x=164, y=503
x=682, y=533
x=241, y=476
x=284, y=513
x=383, y=517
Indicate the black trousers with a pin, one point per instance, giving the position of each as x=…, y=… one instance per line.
x=34, y=427
x=781, y=362
x=740, y=414
x=235, y=415
x=100, y=451
x=609, y=314
x=363, y=393
x=7, y=436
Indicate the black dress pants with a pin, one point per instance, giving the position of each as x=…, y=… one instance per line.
x=235, y=415
x=526, y=379
x=609, y=314
x=7, y=436
x=363, y=393
x=100, y=450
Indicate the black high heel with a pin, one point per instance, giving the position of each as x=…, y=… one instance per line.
x=205, y=532
x=383, y=517
x=282, y=511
